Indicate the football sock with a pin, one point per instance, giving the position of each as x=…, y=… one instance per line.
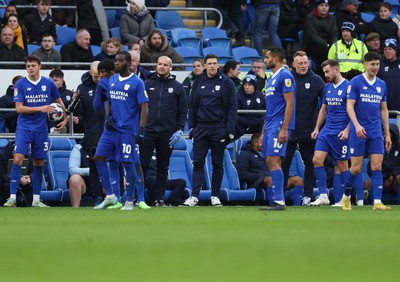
x=15, y=177
x=337, y=187
x=277, y=185
x=349, y=180
x=115, y=179
x=139, y=181
x=270, y=195
x=130, y=181
x=297, y=195
x=320, y=176
x=377, y=183
x=359, y=187
x=37, y=176
x=104, y=176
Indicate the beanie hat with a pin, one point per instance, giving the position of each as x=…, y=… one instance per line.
x=139, y=3
x=391, y=42
x=319, y=2
x=349, y=26
x=250, y=78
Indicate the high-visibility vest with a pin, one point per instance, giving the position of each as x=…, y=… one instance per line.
x=348, y=58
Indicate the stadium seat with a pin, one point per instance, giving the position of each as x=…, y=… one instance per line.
x=65, y=35
x=168, y=35
x=188, y=54
x=300, y=33
x=186, y=37
x=32, y=47
x=115, y=32
x=95, y=49
x=180, y=166
x=367, y=17
x=181, y=144
x=169, y=20
x=57, y=162
x=57, y=47
x=222, y=54
x=61, y=144
x=2, y=125
x=245, y=55
x=240, y=144
x=110, y=18
x=216, y=37
x=297, y=167
x=3, y=143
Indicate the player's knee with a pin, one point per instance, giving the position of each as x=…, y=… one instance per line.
x=376, y=166
x=317, y=161
x=342, y=166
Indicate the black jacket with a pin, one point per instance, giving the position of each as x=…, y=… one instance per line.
x=390, y=73
x=167, y=104
x=15, y=53
x=342, y=15
x=72, y=52
x=251, y=166
x=7, y=101
x=250, y=102
x=37, y=28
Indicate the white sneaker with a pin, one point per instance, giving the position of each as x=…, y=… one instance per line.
x=39, y=204
x=321, y=200
x=11, y=203
x=127, y=206
x=215, y=202
x=190, y=202
x=338, y=204
x=306, y=201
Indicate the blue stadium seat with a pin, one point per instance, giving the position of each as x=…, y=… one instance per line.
x=180, y=166
x=367, y=17
x=181, y=144
x=169, y=20
x=186, y=37
x=57, y=47
x=32, y=47
x=222, y=54
x=57, y=162
x=297, y=167
x=216, y=37
x=240, y=143
x=245, y=55
x=61, y=144
x=115, y=32
x=188, y=54
x=2, y=125
x=168, y=35
x=3, y=143
x=300, y=33
x=65, y=34
x=95, y=49
x=110, y=18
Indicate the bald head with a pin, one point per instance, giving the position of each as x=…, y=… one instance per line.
x=93, y=71
x=7, y=36
x=82, y=38
x=135, y=60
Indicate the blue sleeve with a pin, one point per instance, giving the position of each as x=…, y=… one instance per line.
x=288, y=82
x=18, y=92
x=141, y=92
x=352, y=89
x=384, y=96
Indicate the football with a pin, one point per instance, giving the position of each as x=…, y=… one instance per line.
x=58, y=113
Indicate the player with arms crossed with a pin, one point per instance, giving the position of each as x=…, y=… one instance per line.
x=128, y=98
x=279, y=121
x=367, y=109
x=333, y=138
x=32, y=101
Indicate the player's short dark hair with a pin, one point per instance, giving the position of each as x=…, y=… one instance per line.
x=277, y=52
x=126, y=54
x=331, y=63
x=16, y=78
x=106, y=65
x=372, y=56
x=32, y=58
x=231, y=64
x=56, y=73
x=210, y=56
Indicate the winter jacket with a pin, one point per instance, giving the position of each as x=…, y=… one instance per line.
x=256, y=101
x=37, y=28
x=7, y=102
x=319, y=31
x=15, y=53
x=52, y=56
x=390, y=73
x=386, y=28
x=72, y=52
x=134, y=27
x=362, y=27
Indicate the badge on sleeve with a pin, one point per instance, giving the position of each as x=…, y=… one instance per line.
x=288, y=82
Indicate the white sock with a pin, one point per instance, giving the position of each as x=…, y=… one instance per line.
x=110, y=197
x=280, y=202
x=13, y=196
x=360, y=202
x=36, y=198
x=377, y=202
x=131, y=203
x=324, y=195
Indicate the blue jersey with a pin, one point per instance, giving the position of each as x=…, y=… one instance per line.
x=368, y=95
x=34, y=94
x=126, y=94
x=335, y=100
x=278, y=84
x=101, y=94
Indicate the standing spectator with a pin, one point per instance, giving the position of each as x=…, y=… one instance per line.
x=367, y=109
x=384, y=25
x=266, y=17
x=389, y=72
x=20, y=33
x=109, y=49
x=7, y=102
x=46, y=52
x=309, y=88
x=320, y=32
x=9, y=51
x=26, y=11
x=349, y=13
x=290, y=20
x=32, y=104
x=156, y=4
x=136, y=67
x=258, y=68
x=78, y=51
x=372, y=40
x=198, y=68
x=39, y=22
x=279, y=121
x=63, y=17
x=155, y=46
x=232, y=69
x=166, y=120
x=348, y=51
x=136, y=23
x=212, y=119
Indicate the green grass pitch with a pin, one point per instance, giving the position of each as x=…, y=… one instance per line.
x=200, y=244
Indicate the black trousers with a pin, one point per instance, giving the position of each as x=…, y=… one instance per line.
x=177, y=186
x=204, y=139
x=160, y=142
x=306, y=149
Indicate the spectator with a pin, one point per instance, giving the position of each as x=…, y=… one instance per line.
x=109, y=48
x=384, y=25
x=46, y=52
x=198, y=68
x=309, y=89
x=7, y=102
x=253, y=171
x=232, y=69
x=136, y=23
x=136, y=67
x=156, y=4
x=9, y=51
x=290, y=20
x=372, y=40
x=396, y=19
x=389, y=71
x=349, y=13
x=212, y=120
x=78, y=51
x=10, y=9
x=155, y=46
x=370, y=5
x=134, y=46
x=258, y=68
x=20, y=33
x=348, y=51
x=320, y=32
x=249, y=98
x=39, y=22
x=166, y=120
x=63, y=17
x=25, y=11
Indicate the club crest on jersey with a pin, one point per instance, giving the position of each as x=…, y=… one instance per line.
x=340, y=92
x=378, y=89
x=307, y=85
x=126, y=86
x=348, y=89
x=288, y=82
x=44, y=87
x=217, y=87
x=170, y=90
x=387, y=68
x=248, y=102
x=396, y=153
x=15, y=92
x=258, y=100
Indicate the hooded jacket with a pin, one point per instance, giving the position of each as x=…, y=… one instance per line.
x=134, y=27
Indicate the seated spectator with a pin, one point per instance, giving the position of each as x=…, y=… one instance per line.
x=253, y=170
x=249, y=98
x=348, y=12
x=136, y=67
x=372, y=40
x=109, y=48
x=10, y=9
x=7, y=102
x=389, y=71
x=39, y=22
x=232, y=69
x=78, y=51
x=80, y=180
x=156, y=46
x=20, y=33
x=348, y=51
x=384, y=25
x=134, y=46
x=9, y=51
x=290, y=20
x=156, y=4
x=63, y=17
x=258, y=68
x=46, y=52
x=136, y=23
x=198, y=68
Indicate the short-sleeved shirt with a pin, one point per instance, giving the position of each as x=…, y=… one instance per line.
x=34, y=94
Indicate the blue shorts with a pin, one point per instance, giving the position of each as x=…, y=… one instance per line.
x=118, y=146
x=271, y=146
x=372, y=144
x=331, y=143
x=39, y=141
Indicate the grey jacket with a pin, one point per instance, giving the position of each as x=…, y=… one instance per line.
x=134, y=27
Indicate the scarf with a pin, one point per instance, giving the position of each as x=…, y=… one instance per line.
x=18, y=36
